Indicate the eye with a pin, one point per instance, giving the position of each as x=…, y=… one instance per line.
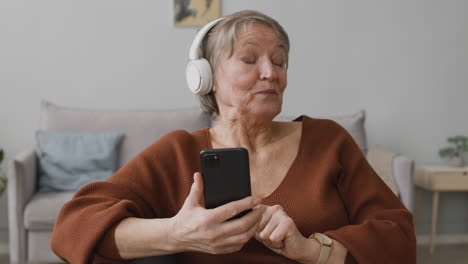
x=280, y=63
x=248, y=60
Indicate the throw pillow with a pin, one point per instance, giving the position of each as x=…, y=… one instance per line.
x=353, y=123
x=70, y=160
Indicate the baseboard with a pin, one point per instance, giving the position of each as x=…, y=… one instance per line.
x=443, y=239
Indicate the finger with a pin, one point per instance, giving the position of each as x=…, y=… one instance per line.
x=232, y=209
x=265, y=233
x=242, y=238
x=195, y=197
x=280, y=233
x=267, y=213
x=243, y=224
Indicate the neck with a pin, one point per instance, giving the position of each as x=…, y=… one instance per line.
x=252, y=134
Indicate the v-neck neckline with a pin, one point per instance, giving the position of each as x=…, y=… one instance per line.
x=291, y=167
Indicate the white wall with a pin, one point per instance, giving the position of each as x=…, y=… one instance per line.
x=405, y=62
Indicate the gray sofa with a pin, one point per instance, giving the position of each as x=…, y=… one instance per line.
x=32, y=214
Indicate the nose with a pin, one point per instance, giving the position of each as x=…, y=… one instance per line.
x=267, y=70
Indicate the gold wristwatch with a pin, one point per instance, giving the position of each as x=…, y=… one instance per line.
x=325, y=247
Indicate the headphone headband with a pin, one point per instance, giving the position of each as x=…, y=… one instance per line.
x=196, y=51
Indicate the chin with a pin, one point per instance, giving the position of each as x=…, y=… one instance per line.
x=269, y=112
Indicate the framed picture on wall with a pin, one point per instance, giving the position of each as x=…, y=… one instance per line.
x=195, y=13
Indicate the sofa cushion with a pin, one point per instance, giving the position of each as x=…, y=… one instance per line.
x=353, y=123
x=40, y=213
x=39, y=248
x=141, y=128
x=70, y=160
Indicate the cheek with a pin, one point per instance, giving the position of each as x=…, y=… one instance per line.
x=237, y=83
x=283, y=81
x=244, y=80
x=234, y=90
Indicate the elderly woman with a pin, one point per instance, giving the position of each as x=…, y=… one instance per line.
x=315, y=199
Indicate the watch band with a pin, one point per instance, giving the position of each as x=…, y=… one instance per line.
x=325, y=247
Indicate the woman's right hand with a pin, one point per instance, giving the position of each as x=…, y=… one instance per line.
x=195, y=228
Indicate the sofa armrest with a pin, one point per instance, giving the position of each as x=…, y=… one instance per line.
x=22, y=176
x=403, y=169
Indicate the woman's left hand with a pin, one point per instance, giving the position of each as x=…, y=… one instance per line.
x=278, y=232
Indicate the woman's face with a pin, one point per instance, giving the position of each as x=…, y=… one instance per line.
x=253, y=79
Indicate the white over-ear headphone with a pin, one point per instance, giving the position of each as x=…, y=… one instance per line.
x=198, y=72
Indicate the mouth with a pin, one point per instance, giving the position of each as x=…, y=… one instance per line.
x=269, y=91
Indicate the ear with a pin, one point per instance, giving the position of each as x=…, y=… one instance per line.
x=214, y=88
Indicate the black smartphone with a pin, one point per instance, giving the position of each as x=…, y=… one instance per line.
x=226, y=176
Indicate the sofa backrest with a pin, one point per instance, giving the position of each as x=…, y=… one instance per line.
x=141, y=128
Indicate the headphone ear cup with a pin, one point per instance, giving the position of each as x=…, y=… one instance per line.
x=199, y=76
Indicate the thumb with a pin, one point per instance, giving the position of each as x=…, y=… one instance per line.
x=195, y=197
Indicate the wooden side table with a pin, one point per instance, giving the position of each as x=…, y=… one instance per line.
x=438, y=179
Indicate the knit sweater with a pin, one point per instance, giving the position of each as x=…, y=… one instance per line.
x=330, y=188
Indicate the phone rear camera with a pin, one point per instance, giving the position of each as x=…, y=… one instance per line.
x=211, y=161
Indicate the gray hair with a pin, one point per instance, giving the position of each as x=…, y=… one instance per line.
x=223, y=37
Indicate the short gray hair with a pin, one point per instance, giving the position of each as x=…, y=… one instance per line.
x=223, y=37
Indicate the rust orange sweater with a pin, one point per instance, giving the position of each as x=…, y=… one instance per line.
x=330, y=188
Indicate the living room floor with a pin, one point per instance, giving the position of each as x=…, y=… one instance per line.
x=444, y=254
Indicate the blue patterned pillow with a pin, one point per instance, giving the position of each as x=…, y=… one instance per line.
x=70, y=160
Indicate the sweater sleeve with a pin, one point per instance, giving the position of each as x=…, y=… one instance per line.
x=381, y=229
x=84, y=230
x=85, y=227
